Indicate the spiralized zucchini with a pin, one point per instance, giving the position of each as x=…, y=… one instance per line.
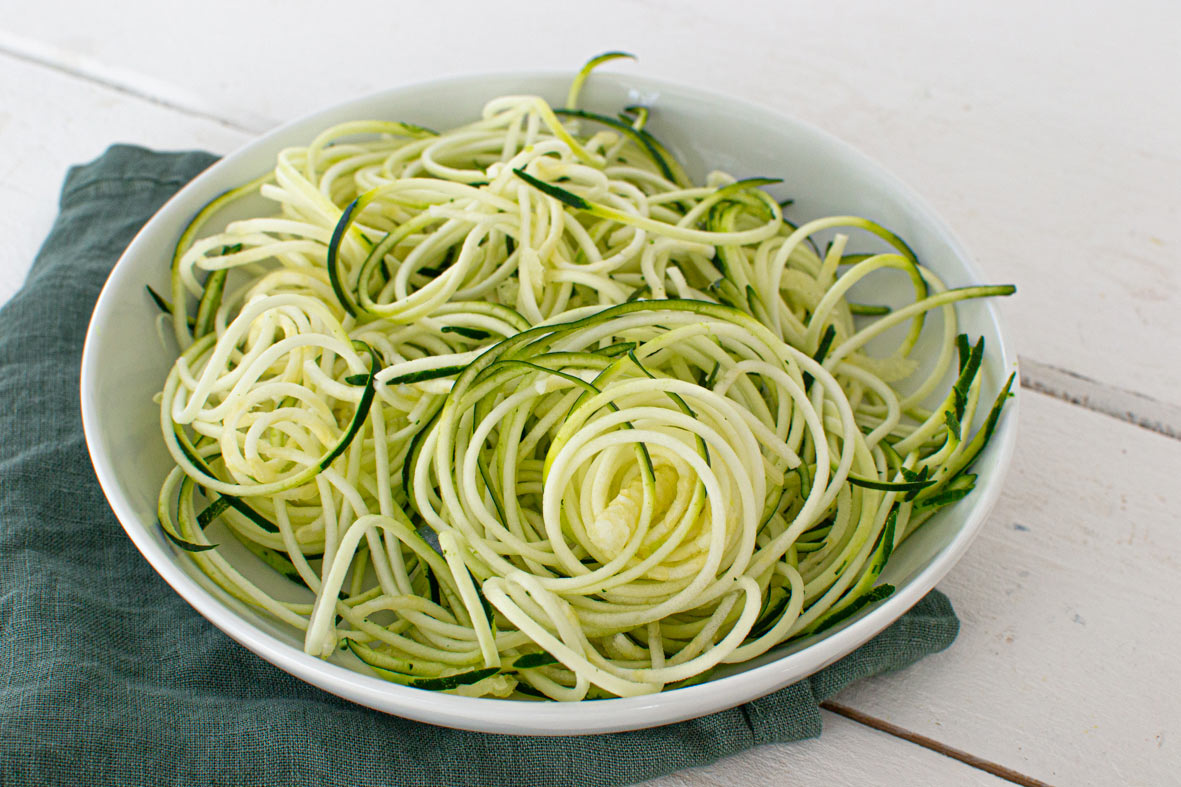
x=530, y=413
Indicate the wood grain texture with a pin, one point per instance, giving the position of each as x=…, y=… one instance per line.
x=847, y=753
x=1065, y=668
x=1044, y=133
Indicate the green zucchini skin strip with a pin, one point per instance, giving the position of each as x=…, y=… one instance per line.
x=180, y=318
x=362, y=411
x=645, y=141
x=879, y=593
x=164, y=306
x=467, y=333
x=333, y=263
x=580, y=78
x=426, y=374
x=378, y=664
x=889, y=486
x=210, y=300
x=188, y=546
x=239, y=505
x=212, y=512
x=821, y=351
x=560, y=194
x=161, y=304
x=373, y=660
x=534, y=660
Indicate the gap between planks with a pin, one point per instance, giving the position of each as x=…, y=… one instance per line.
x=1128, y=406
x=121, y=81
x=1124, y=405
x=996, y=769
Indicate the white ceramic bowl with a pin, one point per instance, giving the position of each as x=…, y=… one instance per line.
x=124, y=365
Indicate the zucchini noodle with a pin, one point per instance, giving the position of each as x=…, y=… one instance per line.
x=520, y=410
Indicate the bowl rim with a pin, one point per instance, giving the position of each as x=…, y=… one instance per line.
x=523, y=717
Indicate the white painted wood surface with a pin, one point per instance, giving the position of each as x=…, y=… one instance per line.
x=49, y=121
x=1047, y=136
x=1066, y=665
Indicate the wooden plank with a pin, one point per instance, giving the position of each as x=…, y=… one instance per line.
x=1034, y=132
x=50, y=121
x=846, y=753
x=1065, y=668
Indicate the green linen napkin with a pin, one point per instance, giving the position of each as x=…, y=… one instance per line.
x=108, y=677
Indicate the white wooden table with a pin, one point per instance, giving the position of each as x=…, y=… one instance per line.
x=1047, y=136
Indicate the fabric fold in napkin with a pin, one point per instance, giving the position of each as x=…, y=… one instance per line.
x=108, y=677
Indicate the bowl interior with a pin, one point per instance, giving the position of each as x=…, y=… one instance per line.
x=125, y=363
